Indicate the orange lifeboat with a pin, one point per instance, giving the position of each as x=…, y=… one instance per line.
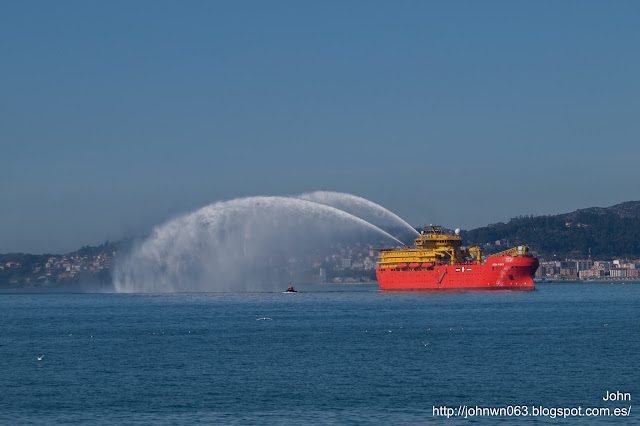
x=402, y=265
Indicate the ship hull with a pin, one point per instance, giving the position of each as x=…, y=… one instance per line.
x=497, y=273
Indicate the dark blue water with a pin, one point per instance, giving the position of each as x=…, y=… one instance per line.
x=328, y=355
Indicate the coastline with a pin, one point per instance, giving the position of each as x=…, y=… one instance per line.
x=579, y=281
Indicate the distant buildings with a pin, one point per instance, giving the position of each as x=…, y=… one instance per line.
x=57, y=270
x=589, y=270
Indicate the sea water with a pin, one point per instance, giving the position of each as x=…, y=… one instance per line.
x=327, y=354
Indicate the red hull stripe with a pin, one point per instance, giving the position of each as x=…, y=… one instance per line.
x=497, y=273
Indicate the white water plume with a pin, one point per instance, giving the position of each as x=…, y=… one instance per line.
x=360, y=207
x=239, y=245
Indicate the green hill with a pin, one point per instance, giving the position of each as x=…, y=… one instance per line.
x=609, y=232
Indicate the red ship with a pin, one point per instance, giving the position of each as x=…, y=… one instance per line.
x=439, y=262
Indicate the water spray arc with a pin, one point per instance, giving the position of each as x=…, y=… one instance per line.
x=245, y=244
x=360, y=207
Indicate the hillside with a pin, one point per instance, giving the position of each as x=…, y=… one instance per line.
x=610, y=232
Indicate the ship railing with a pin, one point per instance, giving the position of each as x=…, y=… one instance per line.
x=514, y=251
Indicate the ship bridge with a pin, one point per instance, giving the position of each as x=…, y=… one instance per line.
x=433, y=246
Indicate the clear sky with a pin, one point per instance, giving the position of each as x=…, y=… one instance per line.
x=117, y=115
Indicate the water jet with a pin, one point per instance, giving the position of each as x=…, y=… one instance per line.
x=245, y=244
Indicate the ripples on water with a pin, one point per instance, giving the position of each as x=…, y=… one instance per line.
x=329, y=354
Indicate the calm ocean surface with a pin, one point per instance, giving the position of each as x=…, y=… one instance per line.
x=328, y=354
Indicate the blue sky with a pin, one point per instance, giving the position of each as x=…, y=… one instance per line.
x=116, y=116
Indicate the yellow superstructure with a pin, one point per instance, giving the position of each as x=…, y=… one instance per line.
x=434, y=246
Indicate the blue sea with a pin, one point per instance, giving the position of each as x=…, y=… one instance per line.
x=327, y=354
